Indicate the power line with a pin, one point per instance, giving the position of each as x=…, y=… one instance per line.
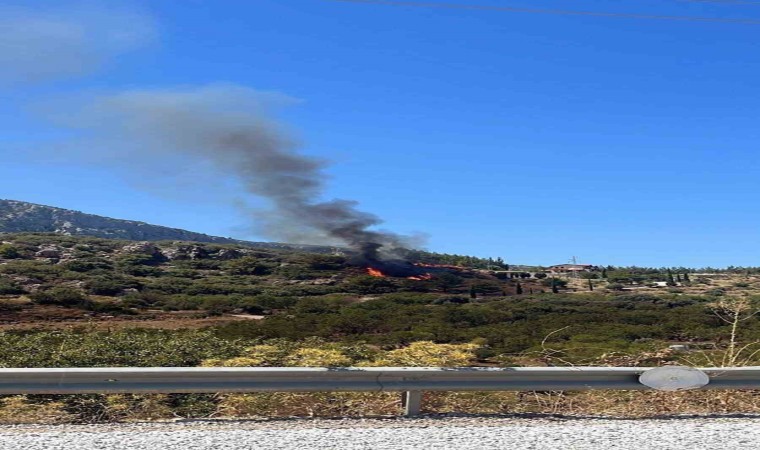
x=549, y=11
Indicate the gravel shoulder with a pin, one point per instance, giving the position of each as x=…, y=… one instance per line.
x=397, y=433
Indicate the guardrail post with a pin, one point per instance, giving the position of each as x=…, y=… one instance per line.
x=412, y=403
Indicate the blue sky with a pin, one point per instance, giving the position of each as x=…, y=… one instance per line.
x=527, y=136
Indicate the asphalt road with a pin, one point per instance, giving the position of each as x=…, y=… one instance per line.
x=430, y=433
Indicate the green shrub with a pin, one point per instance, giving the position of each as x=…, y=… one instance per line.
x=180, y=303
x=198, y=264
x=216, y=306
x=8, y=251
x=87, y=265
x=167, y=285
x=8, y=287
x=41, y=270
x=61, y=296
x=717, y=292
x=484, y=287
x=324, y=262
x=111, y=286
x=271, y=301
x=639, y=298
x=297, y=272
x=140, y=265
x=131, y=347
x=560, y=283
x=451, y=300
x=247, y=265
x=135, y=300
x=250, y=305
x=210, y=286
x=366, y=284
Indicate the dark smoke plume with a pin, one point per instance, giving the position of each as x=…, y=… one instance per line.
x=233, y=128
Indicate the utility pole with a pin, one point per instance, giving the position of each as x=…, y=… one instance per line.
x=574, y=261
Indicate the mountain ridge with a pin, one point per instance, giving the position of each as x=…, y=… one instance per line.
x=25, y=217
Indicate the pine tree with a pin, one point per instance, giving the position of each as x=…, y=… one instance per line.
x=554, y=286
x=604, y=273
x=678, y=277
x=686, y=277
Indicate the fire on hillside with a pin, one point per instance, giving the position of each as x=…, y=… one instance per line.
x=410, y=271
x=378, y=273
x=375, y=265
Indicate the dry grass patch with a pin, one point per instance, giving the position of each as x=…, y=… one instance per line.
x=19, y=409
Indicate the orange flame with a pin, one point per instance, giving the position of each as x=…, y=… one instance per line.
x=375, y=272
x=426, y=276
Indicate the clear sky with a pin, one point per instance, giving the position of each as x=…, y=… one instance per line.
x=533, y=137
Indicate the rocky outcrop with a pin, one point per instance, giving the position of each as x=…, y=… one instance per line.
x=142, y=248
x=48, y=252
x=226, y=254
x=179, y=251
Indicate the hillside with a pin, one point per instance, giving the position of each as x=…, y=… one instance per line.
x=49, y=280
x=23, y=217
x=74, y=301
x=73, y=278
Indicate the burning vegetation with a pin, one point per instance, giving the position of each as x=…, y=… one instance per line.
x=380, y=265
x=378, y=273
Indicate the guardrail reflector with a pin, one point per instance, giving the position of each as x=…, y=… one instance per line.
x=674, y=378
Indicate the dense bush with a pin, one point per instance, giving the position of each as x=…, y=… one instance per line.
x=61, y=296
x=486, y=288
x=7, y=287
x=220, y=286
x=272, y=301
x=324, y=262
x=111, y=286
x=558, y=282
x=139, y=264
x=8, y=251
x=41, y=270
x=139, y=348
x=247, y=266
x=167, y=285
x=365, y=284
x=297, y=272
x=88, y=265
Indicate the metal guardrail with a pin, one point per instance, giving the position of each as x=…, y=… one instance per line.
x=410, y=380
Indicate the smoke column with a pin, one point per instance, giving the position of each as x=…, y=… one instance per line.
x=233, y=128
